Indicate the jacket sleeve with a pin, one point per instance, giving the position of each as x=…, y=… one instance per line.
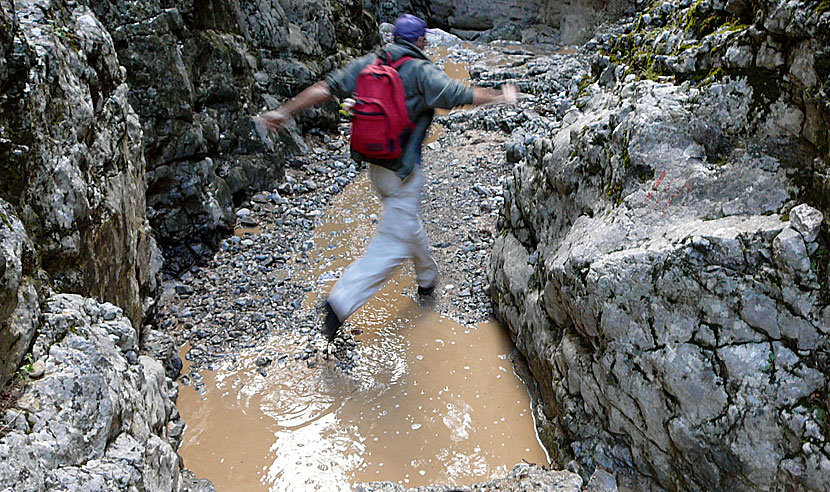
x=440, y=91
x=342, y=82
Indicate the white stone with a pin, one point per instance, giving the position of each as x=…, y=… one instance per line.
x=739, y=56
x=803, y=64
x=785, y=119
x=807, y=221
x=790, y=252
x=769, y=57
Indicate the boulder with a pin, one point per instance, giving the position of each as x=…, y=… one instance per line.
x=97, y=417
x=672, y=320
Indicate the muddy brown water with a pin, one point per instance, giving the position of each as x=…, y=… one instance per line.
x=430, y=401
x=242, y=231
x=456, y=71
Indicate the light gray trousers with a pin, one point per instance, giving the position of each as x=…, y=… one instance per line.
x=399, y=238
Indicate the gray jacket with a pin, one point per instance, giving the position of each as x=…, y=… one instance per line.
x=426, y=86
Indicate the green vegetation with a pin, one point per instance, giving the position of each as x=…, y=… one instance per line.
x=817, y=406
x=710, y=78
x=734, y=26
x=694, y=12
x=586, y=82
x=702, y=23
x=650, y=71
x=614, y=193
x=769, y=367
x=822, y=7
x=5, y=220
x=687, y=46
x=27, y=368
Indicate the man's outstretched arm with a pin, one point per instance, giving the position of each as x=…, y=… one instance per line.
x=311, y=96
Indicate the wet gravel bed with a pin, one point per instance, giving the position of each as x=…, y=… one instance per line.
x=254, y=287
x=250, y=289
x=464, y=185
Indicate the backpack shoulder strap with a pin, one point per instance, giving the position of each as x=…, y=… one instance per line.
x=399, y=62
x=384, y=58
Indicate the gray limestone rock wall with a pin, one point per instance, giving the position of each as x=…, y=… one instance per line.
x=658, y=265
x=197, y=73
x=574, y=20
x=780, y=49
x=96, y=416
x=19, y=303
x=475, y=15
x=73, y=170
x=383, y=10
x=76, y=196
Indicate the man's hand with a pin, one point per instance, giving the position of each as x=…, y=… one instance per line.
x=275, y=119
x=310, y=96
x=510, y=93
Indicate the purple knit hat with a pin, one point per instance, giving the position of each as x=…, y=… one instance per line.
x=409, y=27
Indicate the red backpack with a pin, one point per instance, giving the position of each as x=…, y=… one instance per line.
x=380, y=118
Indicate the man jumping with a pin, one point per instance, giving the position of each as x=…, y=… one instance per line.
x=399, y=182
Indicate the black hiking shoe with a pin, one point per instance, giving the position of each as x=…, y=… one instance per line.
x=331, y=323
x=425, y=291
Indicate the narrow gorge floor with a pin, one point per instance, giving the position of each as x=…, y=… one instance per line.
x=418, y=391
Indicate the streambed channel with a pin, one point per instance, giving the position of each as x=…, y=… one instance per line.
x=418, y=391
x=428, y=400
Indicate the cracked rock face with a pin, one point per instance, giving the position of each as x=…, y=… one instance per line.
x=99, y=417
x=573, y=21
x=71, y=154
x=668, y=288
x=197, y=73
x=18, y=296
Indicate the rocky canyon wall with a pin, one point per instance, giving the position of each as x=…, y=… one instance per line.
x=197, y=72
x=73, y=171
x=572, y=21
x=119, y=116
x=96, y=416
x=664, y=257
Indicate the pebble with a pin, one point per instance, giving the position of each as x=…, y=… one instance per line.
x=183, y=289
